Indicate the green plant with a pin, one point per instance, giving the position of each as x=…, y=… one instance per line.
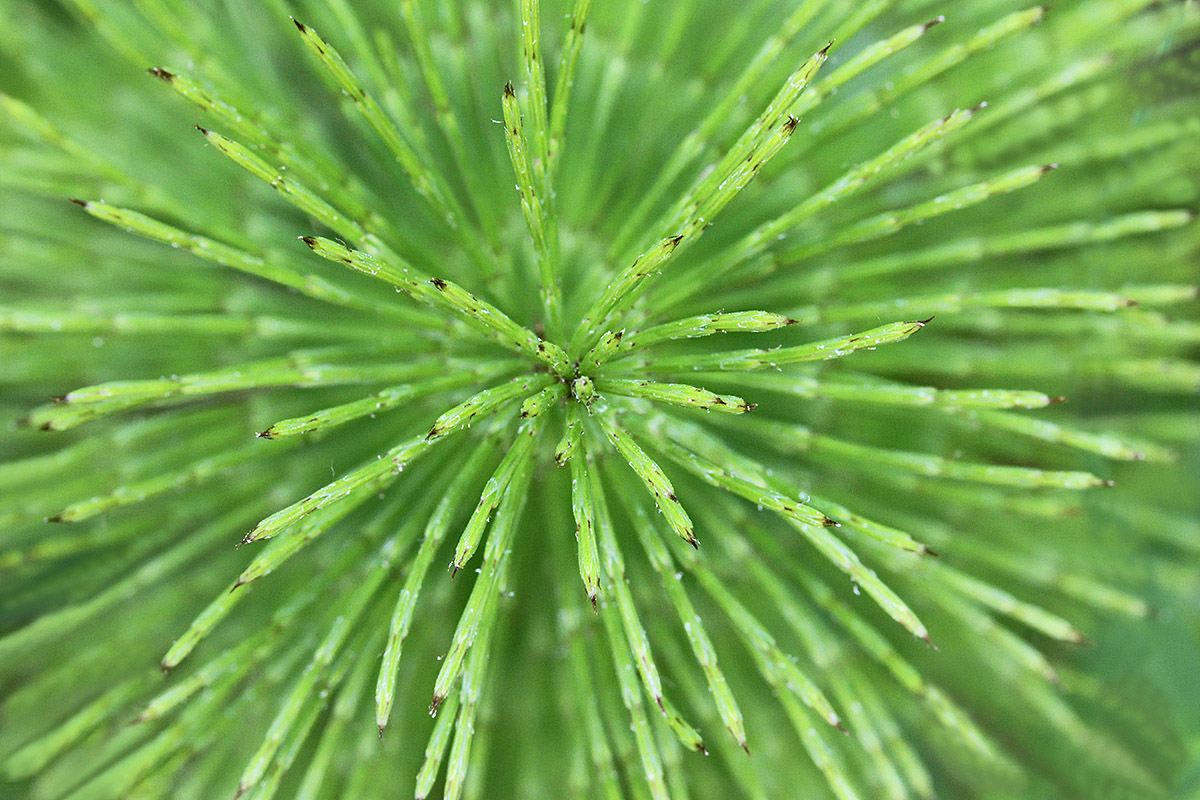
x=559, y=387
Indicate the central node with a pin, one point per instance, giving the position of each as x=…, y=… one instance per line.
x=583, y=389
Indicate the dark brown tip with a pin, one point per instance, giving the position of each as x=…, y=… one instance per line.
x=829, y=522
x=1059, y=399
x=202, y=130
x=311, y=241
x=453, y=570
x=936, y=21
x=674, y=241
x=509, y=91
x=745, y=747
x=1049, y=168
x=267, y=434
x=595, y=608
x=1108, y=484
x=825, y=50
x=929, y=642
x=926, y=550
x=299, y=25
x=694, y=542
x=435, y=704
x=750, y=407
x=837, y=723
x=789, y=127
x=82, y=203
x=161, y=74
x=381, y=733
x=439, y=284
x=46, y=426
x=165, y=667
x=55, y=518
x=924, y=322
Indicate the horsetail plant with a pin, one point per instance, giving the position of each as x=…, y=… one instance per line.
x=834, y=328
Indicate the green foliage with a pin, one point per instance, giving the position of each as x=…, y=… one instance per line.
x=857, y=341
